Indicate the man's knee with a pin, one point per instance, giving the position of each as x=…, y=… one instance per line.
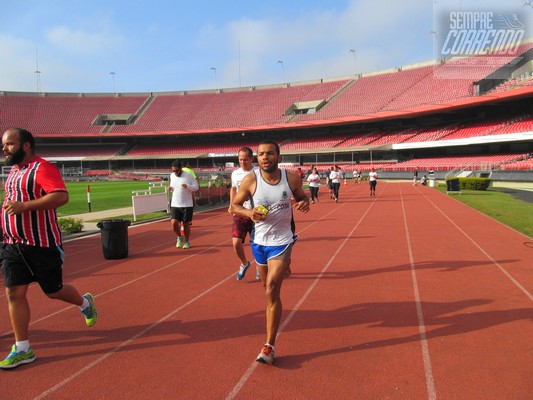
x=15, y=293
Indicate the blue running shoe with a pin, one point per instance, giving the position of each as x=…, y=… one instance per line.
x=242, y=270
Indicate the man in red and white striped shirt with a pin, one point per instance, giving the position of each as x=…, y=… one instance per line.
x=32, y=249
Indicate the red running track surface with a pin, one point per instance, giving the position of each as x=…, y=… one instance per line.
x=408, y=295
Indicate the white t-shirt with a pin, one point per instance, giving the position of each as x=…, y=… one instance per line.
x=335, y=176
x=373, y=175
x=182, y=197
x=314, y=180
x=236, y=179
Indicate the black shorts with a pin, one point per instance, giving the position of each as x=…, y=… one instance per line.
x=182, y=214
x=23, y=264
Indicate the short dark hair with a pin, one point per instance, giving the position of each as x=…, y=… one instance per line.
x=25, y=136
x=177, y=164
x=246, y=150
x=272, y=143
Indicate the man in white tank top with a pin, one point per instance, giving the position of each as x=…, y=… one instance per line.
x=241, y=226
x=270, y=190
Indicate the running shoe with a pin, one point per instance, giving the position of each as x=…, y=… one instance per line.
x=266, y=356
x=242, y=270
x=14, y=359
x=179, y=243
x=186, y=245
x=90, y=312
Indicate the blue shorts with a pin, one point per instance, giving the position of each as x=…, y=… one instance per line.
x=264, y=253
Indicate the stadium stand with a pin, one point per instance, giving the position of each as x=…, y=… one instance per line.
x=150, y=150
x=369, y=112
x=62, y=115
x=313, y=143
x=80, y=150
x=475, y=162
x=227, y=109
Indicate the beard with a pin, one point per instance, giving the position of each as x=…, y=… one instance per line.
x=16, y=157
x=270, y=169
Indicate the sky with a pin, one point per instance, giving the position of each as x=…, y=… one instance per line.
x=86, y=46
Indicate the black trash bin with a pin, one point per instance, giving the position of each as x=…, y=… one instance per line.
x=114, y=238
x=453, y=185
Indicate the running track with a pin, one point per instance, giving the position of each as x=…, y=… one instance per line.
x=408, y=295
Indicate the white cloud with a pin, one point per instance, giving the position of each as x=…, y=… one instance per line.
x=83, y=43
x=17, y=69
x=314, y=44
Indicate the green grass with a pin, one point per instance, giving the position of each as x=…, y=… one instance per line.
x=104, y=196
x=501, y=206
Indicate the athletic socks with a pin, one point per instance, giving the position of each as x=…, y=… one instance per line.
x=23, y=345
x=85, y=304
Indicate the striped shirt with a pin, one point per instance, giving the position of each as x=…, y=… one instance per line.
x=29, y=182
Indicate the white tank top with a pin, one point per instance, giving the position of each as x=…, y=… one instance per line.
x=278, y=227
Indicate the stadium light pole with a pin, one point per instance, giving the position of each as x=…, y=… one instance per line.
x=113, y=75
x=215, y=71
x=282, y=71
x=38, y=75
x=354, y=69
x=434, y=34
x=37, y=72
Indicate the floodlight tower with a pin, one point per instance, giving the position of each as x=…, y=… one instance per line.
x=434, y=34
x=37, y=72
x=215, y=71
x=354, y=69
x=282, y=71
x=113, y=75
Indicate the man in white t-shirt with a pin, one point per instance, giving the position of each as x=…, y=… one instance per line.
x=241, y=226
x=182, y=185
x=373, y=180
x=335, y=178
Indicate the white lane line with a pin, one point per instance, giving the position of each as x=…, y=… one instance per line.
x=486, y=254
x=144, y=331
x=428, y=370
x=127, y=342
x=123, y=284
x=302, y=300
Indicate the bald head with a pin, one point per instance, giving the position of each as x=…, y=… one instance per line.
x=18, y=146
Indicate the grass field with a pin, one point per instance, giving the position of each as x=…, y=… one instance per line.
x=501, y=206
x=104, y=196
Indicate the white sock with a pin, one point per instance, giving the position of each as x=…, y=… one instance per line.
x=268, y=344
x=85, y=304
x=23, y=345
